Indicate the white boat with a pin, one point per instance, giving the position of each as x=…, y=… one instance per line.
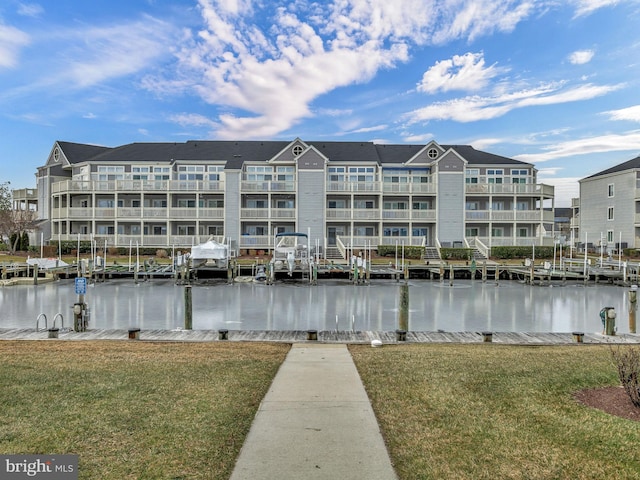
x=210, y=252
x=291, y=252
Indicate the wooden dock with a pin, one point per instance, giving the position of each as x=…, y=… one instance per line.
x=323, y=336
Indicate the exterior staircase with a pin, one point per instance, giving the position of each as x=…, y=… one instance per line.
x=431, y=253
x=333, y=253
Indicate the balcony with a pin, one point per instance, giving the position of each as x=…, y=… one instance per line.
x=267, y=186
x=136, y=186
x=535, y=189
x=508, y=216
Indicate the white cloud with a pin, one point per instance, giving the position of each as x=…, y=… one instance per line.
x=581, y=57
x=193, y=120
x=586, y=7
x=629, y=141
x=30, y=9
x=474, y=108
x=269, y=77
x=11, y=41
x=462, y=72
x=630, y=113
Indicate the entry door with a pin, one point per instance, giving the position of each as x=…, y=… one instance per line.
x=332, y=233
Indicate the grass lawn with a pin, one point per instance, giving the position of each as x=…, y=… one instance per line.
x=134, y=410
x=497, y=412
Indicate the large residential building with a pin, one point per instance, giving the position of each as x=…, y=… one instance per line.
x=340, y=193
x=607, y=213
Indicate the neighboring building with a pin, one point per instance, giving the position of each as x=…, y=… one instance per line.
x=607, y=212
x=341, y=193
x=562, y=223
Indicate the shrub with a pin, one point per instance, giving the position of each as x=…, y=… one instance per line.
x=521, y=252
x=409, y=251
x=627, y=360
x=162, y=253
x=456, y=253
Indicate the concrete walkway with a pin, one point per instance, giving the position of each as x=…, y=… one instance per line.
x=315, y=422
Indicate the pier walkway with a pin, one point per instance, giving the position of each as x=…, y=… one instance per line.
x=323, y=336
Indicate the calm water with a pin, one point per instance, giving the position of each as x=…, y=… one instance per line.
x=467, y=306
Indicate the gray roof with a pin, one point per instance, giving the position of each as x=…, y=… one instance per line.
x=235, y=153
x=628, y=165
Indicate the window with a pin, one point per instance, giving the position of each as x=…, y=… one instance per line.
x=610, y=189
x=259, y=173
x=363, y=204
x=419, y=231
x=363, y=231
x=519, y=176
x=156, y=203
x=361, y=174
x=297, y=150
x=253, y=203
x=255, y=230
x=161, y=173
x=471, y=232
x=609, y=236
x=497, y=205
x=284, y=174
x=395, y=232
x=494, y=175
x=472, y=206
x=214, y=172
x=336, y=204
x=184, y=203
x=186, y=230
x=421, y=206
x=211, y=203
x=190, y=172
x=395, y=206
x=140, y=173
x=610, y=213
x=113, y=172
x=336, y=174
x=522, y=206
x=432, y=153
x=497, y=232
x=472, y=175
x=523, y=232
x=285, y=204
x=395, y=176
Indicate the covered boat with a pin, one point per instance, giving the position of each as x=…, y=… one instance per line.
x=211, y=252
x=291, y=252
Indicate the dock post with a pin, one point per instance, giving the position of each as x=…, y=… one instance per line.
x=35, y=274
x=188, y=311
x=633, y=306
x=451, y=275
x=403, y=312
x=484, y=271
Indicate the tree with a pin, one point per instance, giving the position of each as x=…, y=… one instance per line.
x=14, y=224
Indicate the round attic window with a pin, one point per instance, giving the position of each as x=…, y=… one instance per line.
x=56, y=155
x=433, y=153
x=297, y=150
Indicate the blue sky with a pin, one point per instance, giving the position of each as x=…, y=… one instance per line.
x=551, y=82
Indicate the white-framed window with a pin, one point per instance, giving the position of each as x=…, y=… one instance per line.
x=363, y=231
x=256, y=203
x=472, y=175
x=395, y=176
x=497, y=205
x=191, y=172
x=110, y=172
x=609, y=236
x=522, y=205
x=523, y=232
x=339, y=203
x=395, y=232
x=285, y=204
x=140, y=173
x=497, y=232
x=255, y=230
x=214, y=172
x=186, y=203
x=421, y=205
x=471, y=232
x=395, y=205
x=610, y=213
x=519, y=176
x=186, y=230
x=284, y=174
x=361, y=174
x=472, y=206
x=159, y=203
x=495, y=175
x=336, y=174
x=363, y=204
x=161, y=173
x=610, y=190
x=259, y=173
